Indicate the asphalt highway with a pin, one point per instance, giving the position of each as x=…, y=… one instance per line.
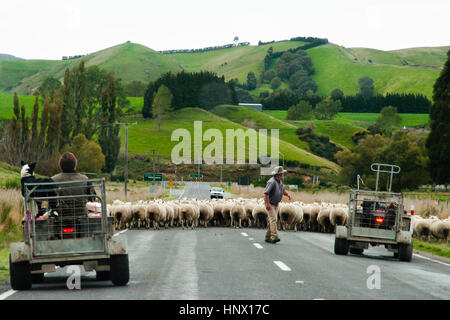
x=226, y=263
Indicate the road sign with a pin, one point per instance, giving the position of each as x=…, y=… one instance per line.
x=244, y=181
x=171, y=183
x=153, y=177
x=195, y=176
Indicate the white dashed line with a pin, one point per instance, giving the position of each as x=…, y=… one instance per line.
x=251, y=239
x=6, y=294
x=282, y=266
x=300, y=282
x=258, y=245
x=244, y=234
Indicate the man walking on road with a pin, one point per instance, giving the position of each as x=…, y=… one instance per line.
x=273, y=194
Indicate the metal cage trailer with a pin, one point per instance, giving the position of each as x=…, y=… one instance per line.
x=376, y=218
x=67, y=223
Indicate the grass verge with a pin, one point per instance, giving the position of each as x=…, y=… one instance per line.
x=439, y=249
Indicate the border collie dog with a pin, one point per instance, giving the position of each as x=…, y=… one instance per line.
x=27, y=176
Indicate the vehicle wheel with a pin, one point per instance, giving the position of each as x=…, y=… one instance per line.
x=340, y=246
x=20, y=275
x=405, y=252
x=120, y=272
x=356, y=251
x=103, y=275
x=37, y=277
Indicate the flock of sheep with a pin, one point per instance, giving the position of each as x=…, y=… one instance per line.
x=439, y=229
x=238, y=213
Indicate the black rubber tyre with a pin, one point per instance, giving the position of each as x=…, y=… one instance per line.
x=356, y=251
x=120, y=271
x=37, y=278
x=340, y=246
x=405, y=252
x=103, y=275
x=20, y=275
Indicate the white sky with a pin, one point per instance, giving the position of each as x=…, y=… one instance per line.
x=50, y=29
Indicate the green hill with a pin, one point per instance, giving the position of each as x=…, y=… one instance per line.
x=144, y=137
x=129, y=61
x=407, y=70
x=338, y=67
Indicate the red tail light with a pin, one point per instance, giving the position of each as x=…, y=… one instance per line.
x=67, y=230
x=379, y=219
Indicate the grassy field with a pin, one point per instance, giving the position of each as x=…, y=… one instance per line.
x=145, y=137
x=440, y=249
x=336, y=67
x=363, y=119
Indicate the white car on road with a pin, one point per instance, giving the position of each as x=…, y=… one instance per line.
x=216, y=192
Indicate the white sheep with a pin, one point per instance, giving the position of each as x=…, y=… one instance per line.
x=421, y=227
x=122, y=213
x=206, y=212
x=440, y=229
x=291, y=215
x=323, y=218
x=338, y=215
x=237, y=214
x=226, y=212
x=260, y=215
x=138, y=212
x=155, y=214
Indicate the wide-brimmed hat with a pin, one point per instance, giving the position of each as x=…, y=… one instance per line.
x=278, y=170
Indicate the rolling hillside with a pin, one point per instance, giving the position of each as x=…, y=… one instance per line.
x=407, y=70
x=144, y=137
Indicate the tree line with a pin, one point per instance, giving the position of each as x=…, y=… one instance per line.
x=198, y=89
x=79, y=114
x=230, y=45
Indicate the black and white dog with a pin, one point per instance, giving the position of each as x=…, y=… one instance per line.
x=27, y=176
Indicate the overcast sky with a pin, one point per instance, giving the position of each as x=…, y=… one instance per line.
x=50, y=29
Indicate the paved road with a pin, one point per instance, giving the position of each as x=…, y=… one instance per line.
x=228, y=263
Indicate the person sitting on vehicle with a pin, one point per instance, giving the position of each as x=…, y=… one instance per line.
x=72, y=206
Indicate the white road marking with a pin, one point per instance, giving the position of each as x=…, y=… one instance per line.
x=318, y=299
x=116, y=234
x=282, y=266
x=244, y=234
x=429, y=259
x=251, y=239
x=6, y=294
x=300, y=282
x=258, y=245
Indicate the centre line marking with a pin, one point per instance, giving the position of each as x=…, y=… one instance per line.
x=299, y=281
x=244, y=234
x=251, y=239
x=258, y=245
x=282, y=266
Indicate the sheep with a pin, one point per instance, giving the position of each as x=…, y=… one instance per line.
x=323, y=218
x=440, y=229
x=421, y=227
x=237, y=214
x=206, y=212
x=138, y=212
x=338, y=215
x=170, y=215
x=249, y=206
x=155, y=214
x=314, y=224
x=188, y=213
x=306, y=223
x=226, y=211
x=122, y=213
x=291, y=215
x=260, y=215
x=217, y=208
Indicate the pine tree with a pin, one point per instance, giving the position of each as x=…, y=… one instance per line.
x=438, y=142
x=66, y=110
x=44, y=120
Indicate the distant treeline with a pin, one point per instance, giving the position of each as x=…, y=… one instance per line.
x=303, y=39
x=313, y=42
x=198, y=89
x=230, y=45
x=405, y=103
x=73, y=57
